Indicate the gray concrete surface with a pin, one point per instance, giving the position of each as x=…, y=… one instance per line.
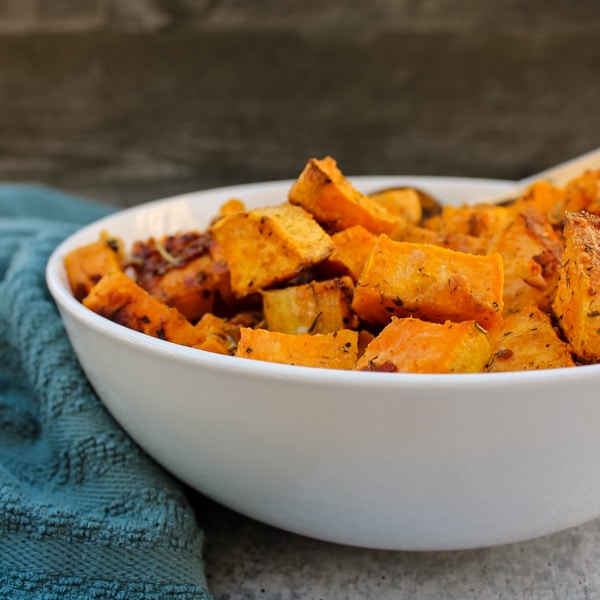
x=246, y=560
x=130, y=100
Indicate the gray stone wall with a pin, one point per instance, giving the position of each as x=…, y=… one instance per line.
x=129, y=100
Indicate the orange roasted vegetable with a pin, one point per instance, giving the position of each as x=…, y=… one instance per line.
x=403, y=202
x=453, y=240
x=527, y=340
x=583, y=193
x=270, y=245
x=178, y=270
x=324, y=191
x=532, y=253
x=352, y=247
x=118, y=298
x=414, y=346
x=337, y=350
x=577, y=302
x=314, y=307
x=221, y=335
x=87, y=264
x=428, y=282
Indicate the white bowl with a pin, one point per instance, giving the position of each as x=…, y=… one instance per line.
x=381, y=460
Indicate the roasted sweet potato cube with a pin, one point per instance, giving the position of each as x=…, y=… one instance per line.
x=532, y=253
x=403, y=202
x=583, y=192
x=231, y=206
x=577, y=301
x=413, y=346
x=266, y=246
x=428, y=282
x=219, y=335
x=177, y=270
x=460, y=242
x=546, y=198
x=323, y=190
x=364, y=339
x=86, y=265
x=314, y=307
x=118, y=298
x=190, y=288
x=480, y=220
x=352, y=247
x=526, y=340
x=337, y=350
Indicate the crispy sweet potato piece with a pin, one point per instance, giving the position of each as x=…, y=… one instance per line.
x=364, y=339
x=266, y=246
x=324, y=191
x=453, y=240
x=337, y=350
x=190, y=288
x=177, y=270
x=546, y=198
x=403, y=202
x=526, y=340
x=480, y=220
x=118, y=298
x=428, y=282
x=231, y=206
x=87, y=264
x=314, y=307
x=352, y=247
x=577, y=301
x=532, y=252
x=218, y=334
x=521, y=234
x=414, y=346
x=583, y=193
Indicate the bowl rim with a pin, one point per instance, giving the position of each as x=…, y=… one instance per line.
x=275, y=371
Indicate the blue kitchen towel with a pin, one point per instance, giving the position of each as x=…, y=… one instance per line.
x=84, y=513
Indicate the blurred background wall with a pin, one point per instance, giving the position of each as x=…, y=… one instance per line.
x=131, y=100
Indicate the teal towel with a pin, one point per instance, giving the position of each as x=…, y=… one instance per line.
x=84, y=513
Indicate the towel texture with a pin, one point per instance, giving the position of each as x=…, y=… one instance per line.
x=84, y=513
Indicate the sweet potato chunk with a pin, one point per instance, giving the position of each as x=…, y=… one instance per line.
x=547, y=198
x=337, y=350
x=413, y=346
x=324, y=191
x=479, y=220
x=428, y=282
x=532, y=252
x=526, y=340
x=453, y=240
x=352, y=247
x=87, y=264
x=577, y=301
x=403, y=202
x=177, y=270
x=190, y=289
x=219, y=335
x=118, y=298
x=314, y=307
x=583, y=193
x=266, y=246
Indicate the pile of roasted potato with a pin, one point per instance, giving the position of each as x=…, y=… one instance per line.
x=335, y=278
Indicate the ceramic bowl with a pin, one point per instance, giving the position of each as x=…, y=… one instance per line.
x=380, y=460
